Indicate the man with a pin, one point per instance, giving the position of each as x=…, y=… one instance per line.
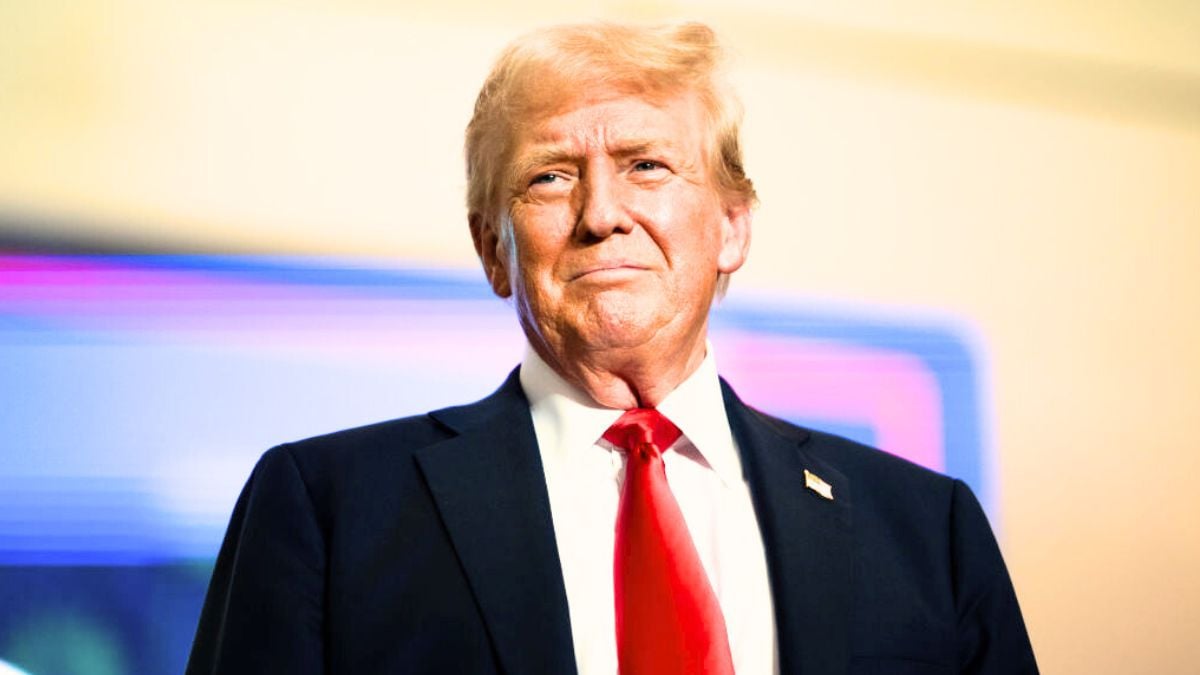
x=535, y=531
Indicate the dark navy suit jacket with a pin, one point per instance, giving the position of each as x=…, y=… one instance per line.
x=425, y=545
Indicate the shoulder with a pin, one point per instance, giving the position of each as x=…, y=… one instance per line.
x=351, y=461
x=365, y=443
x=922, y=541
x=894, y=502
x=899, y=503
x=399, y=438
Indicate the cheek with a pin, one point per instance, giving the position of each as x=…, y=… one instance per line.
x=695, y=239
x=536, y=254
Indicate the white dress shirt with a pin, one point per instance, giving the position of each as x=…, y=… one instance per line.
x=583, y=477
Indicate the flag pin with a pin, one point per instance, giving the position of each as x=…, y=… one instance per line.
x=818, y=485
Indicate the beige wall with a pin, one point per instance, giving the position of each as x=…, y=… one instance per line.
x=1031, y=168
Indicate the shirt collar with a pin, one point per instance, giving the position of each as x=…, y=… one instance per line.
x=566, y=419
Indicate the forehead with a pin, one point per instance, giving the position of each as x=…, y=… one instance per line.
x=613, y=120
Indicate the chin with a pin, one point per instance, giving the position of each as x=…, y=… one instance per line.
x=624, y=325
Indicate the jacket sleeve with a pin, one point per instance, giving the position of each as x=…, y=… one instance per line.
x=991, y=633
x=264, y=612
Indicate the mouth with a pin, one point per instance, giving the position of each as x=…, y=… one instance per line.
x=612, y=268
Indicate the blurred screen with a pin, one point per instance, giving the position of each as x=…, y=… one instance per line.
x=138, y=391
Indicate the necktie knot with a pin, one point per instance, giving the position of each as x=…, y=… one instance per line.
x=644, y=431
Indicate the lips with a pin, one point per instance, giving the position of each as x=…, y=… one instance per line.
x=608, y=266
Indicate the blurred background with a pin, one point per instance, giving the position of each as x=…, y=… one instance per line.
x=228, y=224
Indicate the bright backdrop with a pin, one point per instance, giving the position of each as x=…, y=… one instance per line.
x=1027, y=168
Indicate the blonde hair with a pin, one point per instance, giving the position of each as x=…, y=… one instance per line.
x=650, y=62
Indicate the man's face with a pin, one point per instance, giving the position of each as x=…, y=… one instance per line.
x=618, y=231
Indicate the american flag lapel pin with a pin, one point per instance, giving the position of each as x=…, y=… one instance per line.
x=818, y=485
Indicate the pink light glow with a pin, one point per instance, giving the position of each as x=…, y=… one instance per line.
x=45, y=282
x=893, y=393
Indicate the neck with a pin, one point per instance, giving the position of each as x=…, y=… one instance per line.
x=627, y=377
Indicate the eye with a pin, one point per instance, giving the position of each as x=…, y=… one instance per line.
x=544, y=179
x=647, y=165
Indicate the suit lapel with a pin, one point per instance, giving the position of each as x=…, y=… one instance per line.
x=490, y=490
x=806, y=537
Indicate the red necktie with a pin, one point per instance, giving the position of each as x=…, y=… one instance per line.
x=668, y=618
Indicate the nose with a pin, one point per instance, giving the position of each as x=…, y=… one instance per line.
x=604, y=209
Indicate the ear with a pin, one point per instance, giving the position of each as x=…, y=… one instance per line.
x=735, y=236
x=489, y=247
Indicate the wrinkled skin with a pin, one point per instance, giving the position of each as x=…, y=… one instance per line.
x=618, y=234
